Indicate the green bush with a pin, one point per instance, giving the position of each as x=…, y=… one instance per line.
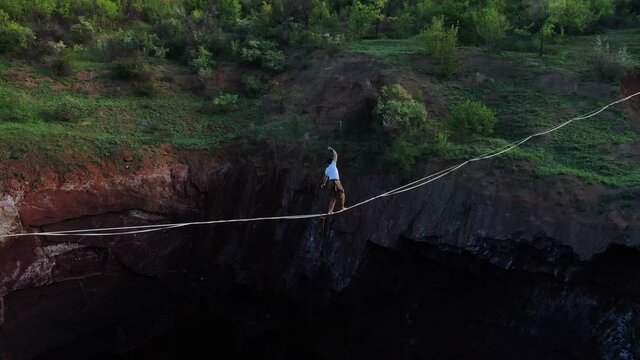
x=265, y=54
x=131, y=43
x=61, y=64
x=398, y=112
x=201, y=59
x=441, y=144
x=491, y=24
x=131, y=69
x=442, y=44
x=61, y=60
x=229, y=11
x=84, y=32
x=403, y=153
x=173, y=33
x=225, y=103
x=202, y=63
x=147, y=89
x=610, y=64
x=323, y=40
x=13, y=36
x=253, y=88
x=361, y=19
x=471, y=118
x=15, y=106
x=322, y=18
x=68, y=110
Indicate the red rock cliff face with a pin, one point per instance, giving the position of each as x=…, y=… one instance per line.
x=77, y=285
x=157, y=191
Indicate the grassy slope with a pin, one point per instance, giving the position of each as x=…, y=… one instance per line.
x=593, y=149
x=106, y=124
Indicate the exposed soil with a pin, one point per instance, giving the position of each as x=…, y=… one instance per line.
x=630, y=86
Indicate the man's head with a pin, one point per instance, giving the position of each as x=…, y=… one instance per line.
x=329, y=161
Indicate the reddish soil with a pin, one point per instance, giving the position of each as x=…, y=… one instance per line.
x=630, y=86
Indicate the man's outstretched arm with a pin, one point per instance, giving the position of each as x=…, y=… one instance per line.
x=324, y=181
x=335, y=154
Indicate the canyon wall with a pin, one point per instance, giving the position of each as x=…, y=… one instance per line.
x=551, y=263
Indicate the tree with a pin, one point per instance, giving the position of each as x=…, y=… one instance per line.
x=381, y=9
x=13, y=36
x=574, y=16
x=490, y=24
x=361, y=19
x=397, y=111
x=321, y=17
x=471, y=118
x=442, y=44
x=229, y=11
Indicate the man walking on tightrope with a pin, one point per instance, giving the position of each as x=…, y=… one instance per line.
x=336, y=191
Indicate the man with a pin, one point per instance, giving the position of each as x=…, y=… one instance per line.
x=336, y=191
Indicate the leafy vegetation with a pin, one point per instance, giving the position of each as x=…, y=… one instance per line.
x=226, y=102
x=398, y=112
x=472, y=118
x=158, y=46
x=608, y=63
x=442, y=43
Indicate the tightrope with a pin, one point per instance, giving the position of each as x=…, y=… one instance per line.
x=132, y=230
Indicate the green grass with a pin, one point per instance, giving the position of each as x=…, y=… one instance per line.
x=105, y=124
x=585, y=148
x=593, y=150
x=571, y=54
x=392, y=52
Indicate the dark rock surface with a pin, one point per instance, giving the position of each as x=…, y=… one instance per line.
x=484, y=264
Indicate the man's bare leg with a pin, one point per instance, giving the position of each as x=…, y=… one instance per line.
x=332, y=204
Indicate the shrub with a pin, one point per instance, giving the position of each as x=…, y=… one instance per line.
x=491, y=24
x=131, y=69
x=473, y=117
x=147, y=89
x=441, y=143
x=68, y=110
x=442, y=44
x=229, y=11
x=131, y=43
x=609, y=64
x=60, y=60
x=403, y=154
x=201, y=59
x=225, y=103
x=202, y=63
x=253, y=88
x=61, y=64
x=326, y=40
x=15, y=106
x=361, y=19
x=173, y=33
x=83, y=32
x=265, y=54
x=398, y=112
x=13, y=36
x=321, y=18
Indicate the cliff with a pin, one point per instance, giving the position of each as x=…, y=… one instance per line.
x=551, y=244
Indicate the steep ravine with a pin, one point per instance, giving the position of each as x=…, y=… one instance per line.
x=484, y=264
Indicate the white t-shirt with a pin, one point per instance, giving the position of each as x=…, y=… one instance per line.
x=332, y=171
